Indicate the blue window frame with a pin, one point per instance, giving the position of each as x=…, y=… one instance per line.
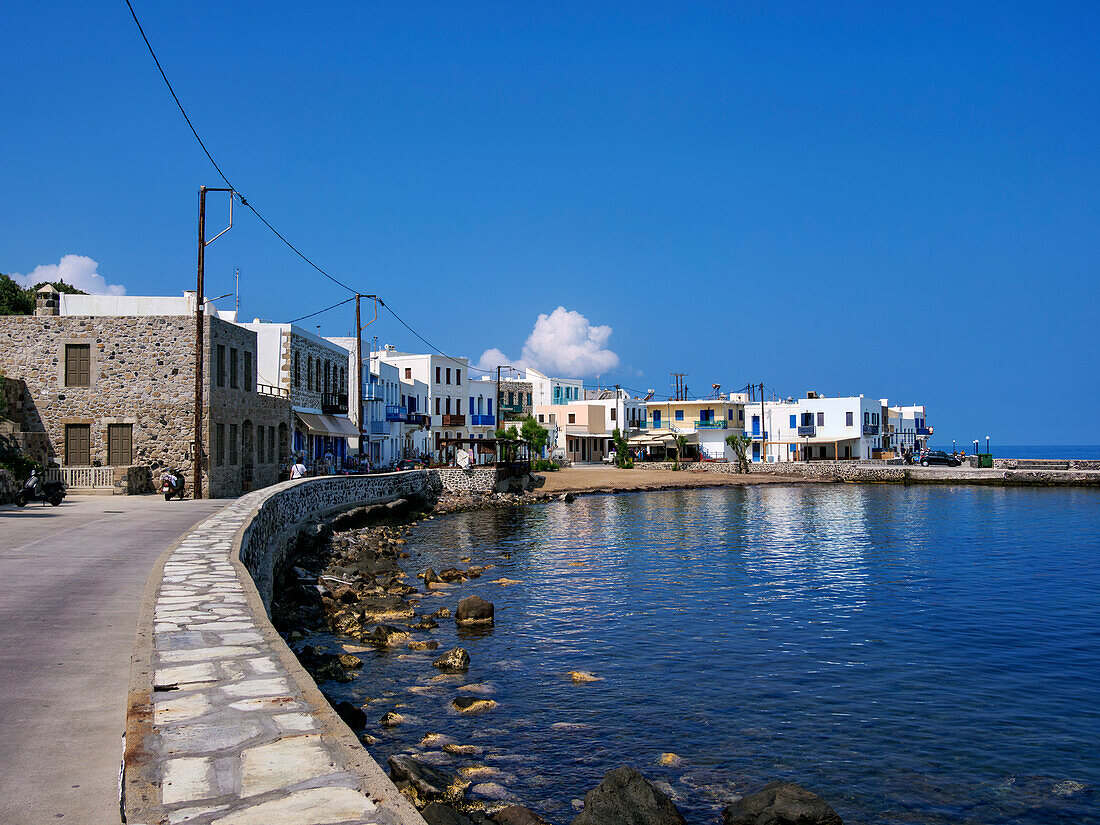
x=679, y=415
x=656, y=418
x=794, y=421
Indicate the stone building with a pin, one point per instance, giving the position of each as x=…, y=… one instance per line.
x=109, y=385
x=515, y=399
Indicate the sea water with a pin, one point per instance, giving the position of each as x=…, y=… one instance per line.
x=913, y=654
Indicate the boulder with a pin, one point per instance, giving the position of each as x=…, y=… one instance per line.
x=456, y=659
x=430, y=783
x=781, y=803
x=625, y=797
x=472, y=704
x=442, y=613
x=425, y=623
x=391, y=719
x=353, y=715
x=474, y=610
x=517, y=815
x=384, y=635
x=451, y=574
x=424, y=645
x=568, y=498
x=430, y=576
x=436, y=813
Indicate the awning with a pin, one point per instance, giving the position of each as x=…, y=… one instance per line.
x=328, y=425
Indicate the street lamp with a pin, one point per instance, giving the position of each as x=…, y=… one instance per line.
x=987, y=444
x=975, y=446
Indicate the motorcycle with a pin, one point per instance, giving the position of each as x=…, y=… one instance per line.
x=34, y=489
x=172, y=484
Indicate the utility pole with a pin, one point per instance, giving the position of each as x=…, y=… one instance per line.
x=200, y=324
x=763, y=432
x=678, y=383
x=358, y=377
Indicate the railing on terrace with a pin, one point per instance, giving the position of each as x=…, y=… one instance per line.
x=379, y=428
x=482, y=420
x=396, y=413
x=372, y=392
x=924, y=431
x=333, y=403
x=870, y=429
x=417, y=419
x=711, y=424
x=267, y=389
x=88, y=477
x=454, y=420
x=807, y=430
x=511, y=408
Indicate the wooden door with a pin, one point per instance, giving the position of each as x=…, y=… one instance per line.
x=78, y=445
x=120, y=445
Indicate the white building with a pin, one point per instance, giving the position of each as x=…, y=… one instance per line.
x=624, y=411
x=447, y=382
x=908, y=428
x=546, y=390
x=417, y=432
x=706, y=422
x=816, y=428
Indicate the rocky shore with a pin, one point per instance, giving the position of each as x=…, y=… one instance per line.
x=354, y=577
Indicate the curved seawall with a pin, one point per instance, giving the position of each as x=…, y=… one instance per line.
x=223, y=724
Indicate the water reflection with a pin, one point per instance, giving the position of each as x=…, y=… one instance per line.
x=917, y=655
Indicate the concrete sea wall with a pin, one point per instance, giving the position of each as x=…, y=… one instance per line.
x=224, y=726
x=881, y=472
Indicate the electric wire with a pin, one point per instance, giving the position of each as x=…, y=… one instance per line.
x=214, y=163
x=318, y=312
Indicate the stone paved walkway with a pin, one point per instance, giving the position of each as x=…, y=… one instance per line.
x=233, y=739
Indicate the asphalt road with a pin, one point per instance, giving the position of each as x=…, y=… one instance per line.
x=71, y=582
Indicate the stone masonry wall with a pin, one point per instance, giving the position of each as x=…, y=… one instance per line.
x=223, y=725
x=473, y=480
x=7, y=487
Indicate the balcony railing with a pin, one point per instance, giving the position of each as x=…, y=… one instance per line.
x=373, y=392
x=333, y=403
x=454, y=420
x=267, y=389
x=483, y=420
x=379, y=428
x=711, y=424
x=807, y=431
x=924, y=431
x=417, y=419
x=870, y=429
x=396, y=413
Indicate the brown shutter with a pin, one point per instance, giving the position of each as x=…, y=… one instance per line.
x=77, y=445
x=120, y=445
x=77, y=365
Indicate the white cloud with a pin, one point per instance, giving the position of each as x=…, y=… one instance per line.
x=75, y=270
x=562, y=343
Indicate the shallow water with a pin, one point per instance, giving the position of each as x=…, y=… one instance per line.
x=913, y=654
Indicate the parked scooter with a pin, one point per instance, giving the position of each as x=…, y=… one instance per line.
x=34, y=489
x=172, y=484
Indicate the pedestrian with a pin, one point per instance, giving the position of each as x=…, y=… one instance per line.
x=299, y=469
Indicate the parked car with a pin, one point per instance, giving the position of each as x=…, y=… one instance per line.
x=938, y=457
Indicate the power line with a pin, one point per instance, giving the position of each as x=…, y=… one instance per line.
x=214, y=163
x=318, y=312
x=429, y=344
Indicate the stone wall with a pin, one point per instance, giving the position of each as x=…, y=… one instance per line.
x=223, y=724
x=1045, y=464
x=473, y=480
x=305, y=393
x=523, y=389
x=7, y=487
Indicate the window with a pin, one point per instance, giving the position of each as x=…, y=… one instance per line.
x=297, y=369
x=221, y=365
x=679, y=415
x=234, y=381
x=821, y=419
x=553, y=418
x=309, y=373
x=448, y=375
x=794, y=421
x=248, y=371
x=572, y=418
x=271, y=444
x=613, y=412
x=741, y=415
x=408, y=373
x=78, y=365
x=219, y=445
x=78, y=445
x=511, y=398
x=232, y=444
x=447, y=406
x=458, y=406
x=458, y=377
x=542, y=419
x=437, y=406
x=120, y=443
x=866, y=418
x=259, y=444
x=849, y=419
x=437, y=372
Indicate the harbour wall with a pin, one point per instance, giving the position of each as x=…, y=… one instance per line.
x=224, y=726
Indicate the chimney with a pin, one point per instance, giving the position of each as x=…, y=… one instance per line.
x=48, y=301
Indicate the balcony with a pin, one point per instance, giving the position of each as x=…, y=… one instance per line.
x=924, y=431
x=454, y=420
x=373, y=392
x=418, y=419
x=711, y=424
x=276, y=392
x=870, y=429
x=483, y=420
x=333, y=403
x=756, y=435
x=379, y=428
x=396, y=413
x=807, y=431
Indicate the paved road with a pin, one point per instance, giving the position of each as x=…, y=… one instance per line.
x=71, y=581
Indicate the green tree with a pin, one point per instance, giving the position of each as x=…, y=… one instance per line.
x=14, y=300
x=535, y=433
x=622, y=451
x=740, y=445
x=681, y=447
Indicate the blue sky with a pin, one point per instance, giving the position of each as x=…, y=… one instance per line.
x=893, y=199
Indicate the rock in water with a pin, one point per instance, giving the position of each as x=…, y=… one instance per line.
x=354, y=716
x=436, y=813
x=385, y=635
x=625, y=797
x=474, y=610
x=517, y=815
x=781, y=803
x=581, y=676
x=391, y=719
x=430, y=783
x=472, y=704
x=457, y=659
